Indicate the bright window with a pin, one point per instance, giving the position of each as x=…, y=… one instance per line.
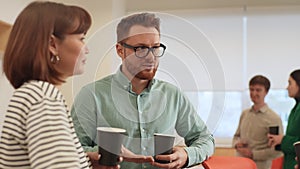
x=224, y=123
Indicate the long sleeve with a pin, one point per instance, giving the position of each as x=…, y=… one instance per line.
x=199, y=141
x=265, y=154
x=38, y=131
x=292, y=135
x=268, y=152
x=292, y=132
x=84, y=117
x=287, y=143
x=50, y=143
x=237, y=134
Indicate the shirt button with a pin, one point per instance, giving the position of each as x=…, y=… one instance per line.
x=144, y=148
x=143, y=130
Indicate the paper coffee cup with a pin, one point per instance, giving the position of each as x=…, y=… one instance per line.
x=297, y=150
x=274, y=130
x=163, y=145
x=109, y=145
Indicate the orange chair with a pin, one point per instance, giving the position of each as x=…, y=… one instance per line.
x=229, y=162
x=277, y=163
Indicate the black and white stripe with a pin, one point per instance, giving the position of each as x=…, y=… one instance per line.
x=38, y=131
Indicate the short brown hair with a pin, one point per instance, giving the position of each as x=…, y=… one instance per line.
x=261, y=80
x=143, y=19
x=27, y=56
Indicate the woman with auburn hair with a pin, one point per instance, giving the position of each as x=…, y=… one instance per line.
x=46, y=46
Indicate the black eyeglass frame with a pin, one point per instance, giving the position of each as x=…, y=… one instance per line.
x=149, y=49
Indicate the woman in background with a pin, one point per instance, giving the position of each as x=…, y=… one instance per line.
x=46, y=46
x=292, y=131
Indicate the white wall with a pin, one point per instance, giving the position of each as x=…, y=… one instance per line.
x=5, y=93
x=273, y=43
x=8, y=13
x=209, y=44
x=9, y=9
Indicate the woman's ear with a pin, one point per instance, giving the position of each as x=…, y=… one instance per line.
x=53, y=45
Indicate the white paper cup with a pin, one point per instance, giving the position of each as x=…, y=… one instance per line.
x=274, y=130
x=110, y=141
x=297, y=150
x=163, y=145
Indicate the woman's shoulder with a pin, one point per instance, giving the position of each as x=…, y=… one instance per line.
x=36, y=90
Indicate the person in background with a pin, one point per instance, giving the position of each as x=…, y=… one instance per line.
x=292, y=134
x=46, y=46
x=251, y=137
x=134, y=100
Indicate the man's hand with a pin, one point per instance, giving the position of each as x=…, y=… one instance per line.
x=177, y=159
x=131, y=157
x=242, y=143
x=245, y=151
x=94, y=157
x=274, y=139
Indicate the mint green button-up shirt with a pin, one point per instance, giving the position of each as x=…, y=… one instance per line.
x=160, y=108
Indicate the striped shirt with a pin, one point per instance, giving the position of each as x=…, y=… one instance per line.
x=38, y=131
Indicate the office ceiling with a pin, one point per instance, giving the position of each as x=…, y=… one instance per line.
x=163, y=5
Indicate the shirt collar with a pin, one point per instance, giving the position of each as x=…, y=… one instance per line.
x=122, y=79
x=262, y=109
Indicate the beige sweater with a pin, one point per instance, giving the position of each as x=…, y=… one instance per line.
x=253, y=128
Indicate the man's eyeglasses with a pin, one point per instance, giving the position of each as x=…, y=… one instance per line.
x=143, y=51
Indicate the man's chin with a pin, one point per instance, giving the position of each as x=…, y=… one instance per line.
x=146, y=75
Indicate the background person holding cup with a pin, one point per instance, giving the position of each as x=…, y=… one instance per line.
x=134, y=100
x=292, y=134
x=250, y=140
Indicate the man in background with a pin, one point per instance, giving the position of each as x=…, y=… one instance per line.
x=250, y=139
